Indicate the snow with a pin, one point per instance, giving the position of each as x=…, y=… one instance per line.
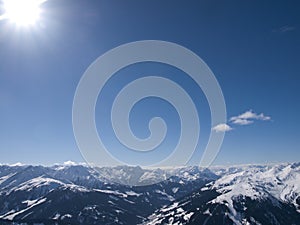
x=30, y=202
x=17, y=164
x=174, y=190
x=113, y=192
x=131, y=202
x=8, y=213
x=66, y=216
x=173, y=206
x=207, y=212
x=56, y=216
x=76, y=188
x=137, y=176
x=205, y=188
x=257, y=182
x=4, y=178
x=175, y=212
x=179, y=210
x=132, y=193
x=188, y=216
x=152, y=176
x=36, y=183
x=254, y=181
x=12, y=216
x=70, y=163
x=171, y=198
x=119, y=211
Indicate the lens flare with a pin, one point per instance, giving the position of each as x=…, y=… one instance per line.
x=22, y=12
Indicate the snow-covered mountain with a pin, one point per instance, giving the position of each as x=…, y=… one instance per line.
x=78, y=194
x=241, y=195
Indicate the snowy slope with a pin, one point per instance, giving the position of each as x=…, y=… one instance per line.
x=257, y=182
x=78, y=194
x=251, y=194
x=73, y=193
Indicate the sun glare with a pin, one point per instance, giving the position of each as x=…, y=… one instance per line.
x=22, y=12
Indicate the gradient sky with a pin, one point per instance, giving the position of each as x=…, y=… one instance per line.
x=253, y=48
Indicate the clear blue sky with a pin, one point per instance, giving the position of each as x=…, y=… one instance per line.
x=253, y=48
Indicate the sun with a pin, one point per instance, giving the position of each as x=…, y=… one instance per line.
x=22, y=12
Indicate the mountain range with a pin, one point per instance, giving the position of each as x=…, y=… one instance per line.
x=79, y=194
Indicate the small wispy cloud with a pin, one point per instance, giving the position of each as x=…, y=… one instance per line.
x=222, y=127
x=284, y=29
x=241, y=121
x=245, y=118
x=248, y=117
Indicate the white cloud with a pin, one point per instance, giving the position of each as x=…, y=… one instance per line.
x=222, y=127
x=248, y=117
x=241, y=121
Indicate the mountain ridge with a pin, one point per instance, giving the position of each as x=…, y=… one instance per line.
x=78, y=194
